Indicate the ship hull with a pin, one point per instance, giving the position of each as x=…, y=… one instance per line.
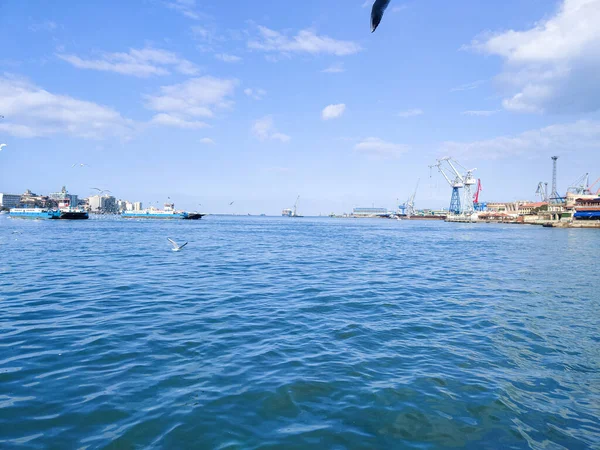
x=175, y=216
x=74, y=215
x=36, y=215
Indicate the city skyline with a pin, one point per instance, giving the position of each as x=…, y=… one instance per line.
x=207, y=105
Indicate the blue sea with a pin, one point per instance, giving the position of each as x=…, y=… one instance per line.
x=307, y=333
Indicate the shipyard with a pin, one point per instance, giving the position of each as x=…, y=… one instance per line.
x=577, y=207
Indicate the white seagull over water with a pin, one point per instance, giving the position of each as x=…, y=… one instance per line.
x=176, y=246
x=2, y=146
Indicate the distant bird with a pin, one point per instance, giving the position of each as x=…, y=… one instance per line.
x=2, y=146
x=377, y=13
x=176, y=246
x=79, y=164
x=231, y=203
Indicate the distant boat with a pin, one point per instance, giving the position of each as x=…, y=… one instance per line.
x=168, y=213
x=292, y=212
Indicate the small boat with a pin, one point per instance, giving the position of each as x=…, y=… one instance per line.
x=34, y=213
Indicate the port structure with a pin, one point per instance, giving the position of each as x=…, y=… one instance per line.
x=477, y=205
x=408, y=208
x=542, y=191
x=555, y=196
x=447, y=166
x=592, y=186
x=581, y=186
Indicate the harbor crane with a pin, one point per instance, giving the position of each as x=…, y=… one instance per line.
x=591, y=187
x=581, y=186
x=458, y=181
x=409, y=207
x=295, y=213
x=479, y=206
x=542, y=191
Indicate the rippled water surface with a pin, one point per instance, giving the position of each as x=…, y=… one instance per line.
x=298, y=333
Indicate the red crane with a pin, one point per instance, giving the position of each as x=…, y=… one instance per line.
x=478, y=190
x=592, y=185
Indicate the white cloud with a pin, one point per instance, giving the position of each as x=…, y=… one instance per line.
x=554, y=65
x=377, y=147
x=333, y=111
x=196, y=97
x=277, y=169
x=468, y=86
x=306, y=41
x=264, y=129
x=256, y=94
x=581, y=136
x=411, y=113
x=225, y=57
x=207, y=141
x=31, y=111
x=177, y=122
x=335, y=68
x=140, y=63
x=46, y=25
x=185, y=7
x=478, y=113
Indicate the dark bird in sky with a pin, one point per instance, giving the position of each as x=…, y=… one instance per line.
x=377, y=13
x=231, y=203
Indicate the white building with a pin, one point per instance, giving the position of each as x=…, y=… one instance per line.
x=137, y=206
x=102, y=203
x=9, y=200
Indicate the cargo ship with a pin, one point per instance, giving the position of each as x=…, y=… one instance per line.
x=35, y=213
x=168, y=213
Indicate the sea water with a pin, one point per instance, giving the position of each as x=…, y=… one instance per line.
x=277, y=333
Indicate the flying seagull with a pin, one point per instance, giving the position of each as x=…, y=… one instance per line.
x=2, y=146
x=79, y=164
x=377, y=13
x=232, y=203
x=176, y=246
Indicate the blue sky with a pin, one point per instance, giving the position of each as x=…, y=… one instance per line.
x=260, y=101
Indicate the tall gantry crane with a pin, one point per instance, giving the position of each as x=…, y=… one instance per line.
x=458, y=181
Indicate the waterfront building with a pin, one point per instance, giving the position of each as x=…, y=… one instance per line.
x=137, y=206
x=587, y=209
x=8, y=201
x=64, y=199
x=31, y=200
x=370, y=212
x=124, y=205
x=532, y=208
x=102, y=204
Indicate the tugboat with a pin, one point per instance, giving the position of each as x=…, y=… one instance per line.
x=70, y=213
x=168, y=213
x=34, y=213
